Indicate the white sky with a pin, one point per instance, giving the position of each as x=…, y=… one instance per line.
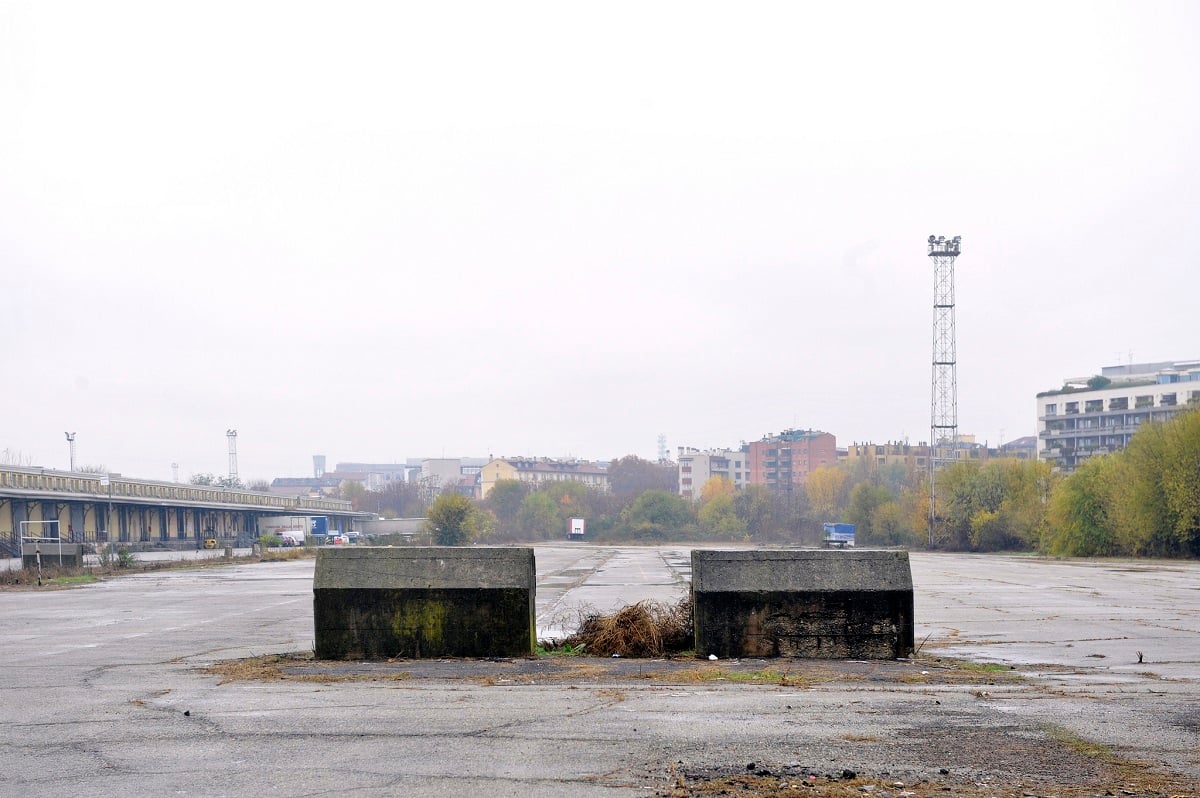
x=377, y=231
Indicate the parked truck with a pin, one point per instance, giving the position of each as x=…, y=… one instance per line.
x=576, y=528
x=839, y=536
x=290, y=529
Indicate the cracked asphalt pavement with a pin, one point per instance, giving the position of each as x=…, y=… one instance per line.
x=107, y=692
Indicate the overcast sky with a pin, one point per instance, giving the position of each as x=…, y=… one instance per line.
x=380, y=231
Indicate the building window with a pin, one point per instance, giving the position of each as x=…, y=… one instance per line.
x=1166, y=400
x=1143, y=401
x=1120, y=403
x=1072, y=407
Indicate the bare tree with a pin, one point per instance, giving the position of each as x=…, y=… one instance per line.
x=15, y=457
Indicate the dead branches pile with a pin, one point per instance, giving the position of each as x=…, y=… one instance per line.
x=645, y=629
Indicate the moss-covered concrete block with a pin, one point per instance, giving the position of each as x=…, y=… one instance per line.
x=375, y=602
x=803, y=603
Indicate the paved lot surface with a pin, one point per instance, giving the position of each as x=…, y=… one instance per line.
x=106, y=693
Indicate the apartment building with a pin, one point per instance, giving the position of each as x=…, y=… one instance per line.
x=1099, y=415
x=373, y=476
x=538, y=471
x=913, y=455
x=697, y=467
x=786, y=459
x=436, y=473
x=1023, y=448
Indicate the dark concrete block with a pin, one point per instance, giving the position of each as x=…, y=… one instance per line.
x=54, y=554
x=803, y=603
x=375, y=602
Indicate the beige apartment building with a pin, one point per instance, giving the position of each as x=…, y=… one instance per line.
x=539, y=471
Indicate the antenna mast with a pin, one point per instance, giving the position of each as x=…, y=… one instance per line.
x=943, y=413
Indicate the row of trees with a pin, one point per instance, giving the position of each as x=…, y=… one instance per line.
x=514, y=511
x=231, y=483
x=1143, y=501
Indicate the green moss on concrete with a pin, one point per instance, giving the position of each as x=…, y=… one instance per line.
x=423, y=621
x=464, y=622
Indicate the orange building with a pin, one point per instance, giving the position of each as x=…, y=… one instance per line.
x=779, y=461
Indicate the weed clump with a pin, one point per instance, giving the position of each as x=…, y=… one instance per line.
x=645, y=629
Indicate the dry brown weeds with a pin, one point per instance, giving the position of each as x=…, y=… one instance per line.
x=645, y=629
x=281, y=667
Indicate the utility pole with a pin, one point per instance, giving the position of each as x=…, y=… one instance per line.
x=943, y=413
x=106, y=482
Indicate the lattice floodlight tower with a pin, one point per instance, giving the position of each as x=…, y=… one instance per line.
x=231, y=435
x=943, y=413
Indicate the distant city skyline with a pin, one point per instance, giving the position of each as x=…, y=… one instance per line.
x=409, y=461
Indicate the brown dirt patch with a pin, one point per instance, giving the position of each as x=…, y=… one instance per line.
x=1049, y=761
x=782, y=672
x=1114, y=782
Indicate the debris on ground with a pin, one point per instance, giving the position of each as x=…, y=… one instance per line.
x=645, y=629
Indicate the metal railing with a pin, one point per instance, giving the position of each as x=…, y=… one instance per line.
x=33, y=481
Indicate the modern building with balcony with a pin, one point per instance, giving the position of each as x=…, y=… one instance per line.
x=1100, y=414
x=697, y=467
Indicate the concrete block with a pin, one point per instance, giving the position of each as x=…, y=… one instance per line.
x=827, y=604
x=420, y=602
x=54, y=554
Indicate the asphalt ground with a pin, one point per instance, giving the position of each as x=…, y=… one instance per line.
x=201, y=683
